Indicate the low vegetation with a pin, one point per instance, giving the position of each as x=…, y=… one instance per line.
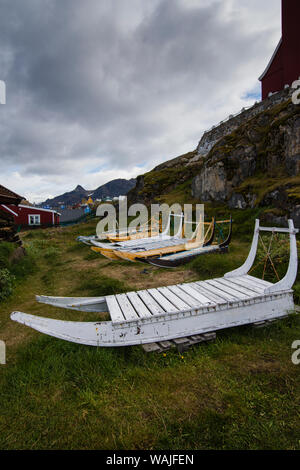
x=241, y=392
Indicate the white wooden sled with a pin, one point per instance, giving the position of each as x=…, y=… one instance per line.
x=96, y=239
x=176, y=311
x=161, y=237
x=87, y=240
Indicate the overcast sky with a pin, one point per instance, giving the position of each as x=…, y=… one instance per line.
x=105, y=89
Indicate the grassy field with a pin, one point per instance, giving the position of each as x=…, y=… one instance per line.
x=241, y=392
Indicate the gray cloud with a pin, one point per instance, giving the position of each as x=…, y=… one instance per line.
x=104, y=87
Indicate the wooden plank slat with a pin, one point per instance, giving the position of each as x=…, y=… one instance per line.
x=151, y=347
x=126, y=307
x=180, y=341
x=194, y=294
x=183, y=295
x=259, y=281
x=115, y=312
x=223, y=295
x=276, y=229
x=165, y=344
x=252, y=282
x=161, y=300
x=138, y=242
x=243, y=290
x=207, y=293
x=156, y=245
x=173, y=298
x=248, y=284
x=152, y=305
x=150, y=246
x=138, y=304
x=227, y=289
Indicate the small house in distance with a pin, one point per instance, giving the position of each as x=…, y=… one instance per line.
x=30, y=216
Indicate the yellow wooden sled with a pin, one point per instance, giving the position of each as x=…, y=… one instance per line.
x=157, y=247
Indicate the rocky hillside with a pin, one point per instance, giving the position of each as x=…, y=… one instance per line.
x=255, y=165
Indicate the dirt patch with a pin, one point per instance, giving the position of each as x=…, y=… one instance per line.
x=143, y=277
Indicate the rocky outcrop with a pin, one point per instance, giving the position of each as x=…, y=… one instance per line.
x=295, y=215
x=292, y=148
x=257, y=164
x=211, y=184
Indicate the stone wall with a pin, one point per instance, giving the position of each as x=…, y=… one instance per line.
x=211, y=137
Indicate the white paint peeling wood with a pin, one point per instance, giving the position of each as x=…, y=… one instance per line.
x=176, y=311
x=164, y=328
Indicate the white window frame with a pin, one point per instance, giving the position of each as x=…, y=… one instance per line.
x=35, y=216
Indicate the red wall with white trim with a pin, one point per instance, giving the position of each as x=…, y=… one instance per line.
x=285, y=67
x=46, y=217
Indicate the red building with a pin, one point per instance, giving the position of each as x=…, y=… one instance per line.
x=284, y=66
x=7, y=230
x=31, y=216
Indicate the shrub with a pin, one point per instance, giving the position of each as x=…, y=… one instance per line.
x=24, y=267
x=7, y=281
x=6, y=250
x=212, y=265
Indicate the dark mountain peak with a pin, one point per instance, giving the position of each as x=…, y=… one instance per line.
x=79, y=188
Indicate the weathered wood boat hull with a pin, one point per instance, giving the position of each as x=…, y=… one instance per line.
x=164, y=262
x=175, y=325
x=137, y=255
x=110, y=254
x=134, y=253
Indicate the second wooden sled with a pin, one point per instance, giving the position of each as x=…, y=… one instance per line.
x=183, y=257
x=166, y=313
x=153, y=246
